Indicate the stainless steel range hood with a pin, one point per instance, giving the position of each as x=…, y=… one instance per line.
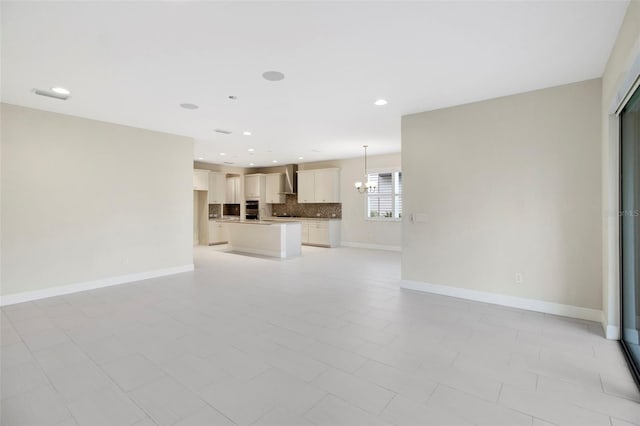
x=291, y=179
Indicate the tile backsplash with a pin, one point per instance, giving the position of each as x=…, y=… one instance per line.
x=214, y=211
x=292, y=208
x=231, y=209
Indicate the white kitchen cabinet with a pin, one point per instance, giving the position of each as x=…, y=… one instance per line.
x=275, y=188
x=305, y=232
x=325, y=233
x=319, y=186
x=218, y=233
x=233, y=190
x=217, y=188
x=327, y=186
x=200, y=180
x=306, y=187
x=319, y=233
x=254, y=186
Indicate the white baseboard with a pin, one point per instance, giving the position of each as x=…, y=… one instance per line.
x=371, y=246
x=611, y=332
x=504, y=300
x=27, y=296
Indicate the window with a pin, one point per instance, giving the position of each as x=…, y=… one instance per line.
x=386, y=202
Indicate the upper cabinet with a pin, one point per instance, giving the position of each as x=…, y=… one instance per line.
x=306, y=187
x=327, y=185
x=200, y=180
x=275, y=188
x=319, y=186
x=233, y=190
x=254, y=186
x=217, y=188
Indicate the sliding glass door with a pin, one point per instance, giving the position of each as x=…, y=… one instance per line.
x=630, y=229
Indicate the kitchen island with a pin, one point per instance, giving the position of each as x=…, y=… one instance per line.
x=316, y=231
x=266, y=238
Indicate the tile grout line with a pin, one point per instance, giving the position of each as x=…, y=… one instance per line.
x=433, y=392
x=35, y=361
x=325, y=396
x=108, y=376
x=386, y=405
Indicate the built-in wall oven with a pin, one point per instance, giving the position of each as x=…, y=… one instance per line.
x=252, y=209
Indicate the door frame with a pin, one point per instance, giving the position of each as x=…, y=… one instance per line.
x=635, y=370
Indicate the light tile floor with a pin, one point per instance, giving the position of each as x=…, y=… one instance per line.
x=324, y=339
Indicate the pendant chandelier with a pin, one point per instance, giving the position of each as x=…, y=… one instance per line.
x=368, y=186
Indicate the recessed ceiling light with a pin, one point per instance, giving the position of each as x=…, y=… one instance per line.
x=246, y=133
x=300, y=158
x=200, y=158
x=273, y=75
x=189, y=106
x=252, y=164
x=251, y=150
x=274, y=161
x=61, y=90
x=380, y=102
x=223, y=154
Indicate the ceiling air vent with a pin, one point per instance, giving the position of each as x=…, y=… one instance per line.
x=50, y=94
x=224, y=132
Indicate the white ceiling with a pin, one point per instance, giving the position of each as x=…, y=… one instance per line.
x=134, y=63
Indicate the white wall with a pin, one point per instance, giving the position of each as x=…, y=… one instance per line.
x=509, y=185
x=355, y=227
x=625, y=51
x=84, y=200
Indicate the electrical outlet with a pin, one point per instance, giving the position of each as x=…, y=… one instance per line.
x=518, y=278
